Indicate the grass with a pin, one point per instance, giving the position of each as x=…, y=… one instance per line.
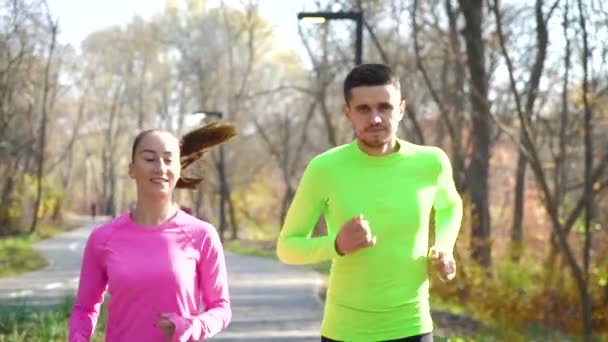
x=262, y=248
x=26, y=324
x=17, y=255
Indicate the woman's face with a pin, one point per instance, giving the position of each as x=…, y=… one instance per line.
x=156, y=165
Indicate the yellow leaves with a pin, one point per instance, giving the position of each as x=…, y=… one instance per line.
x=259, y=201
x=601, y=276
x=17, y=212
x=520, y=294
x=290, y=60
x=196, y=7
x=598, y=103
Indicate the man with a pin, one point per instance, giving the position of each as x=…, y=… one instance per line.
x=376, y=194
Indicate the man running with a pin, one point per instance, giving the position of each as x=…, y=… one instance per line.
x=376, y=195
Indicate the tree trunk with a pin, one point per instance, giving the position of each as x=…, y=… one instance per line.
x=542, y=39
x=5, y=204
x=456, y=98
x=234, y=224
x=41, y=146
x=109, y=186
x=518, y=208
x=287, y=197
x=111, y=201
x=588, y=131
x=223, y=192
x=104, y=181
x=479, y=166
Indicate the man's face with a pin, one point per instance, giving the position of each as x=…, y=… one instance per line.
x=375, y=112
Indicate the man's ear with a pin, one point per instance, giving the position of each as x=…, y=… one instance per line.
x=402, y=107
x=346, y=110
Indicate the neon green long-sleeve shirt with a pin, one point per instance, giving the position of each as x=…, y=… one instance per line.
x=381, y=292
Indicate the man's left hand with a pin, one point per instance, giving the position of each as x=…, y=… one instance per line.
x=443, y=263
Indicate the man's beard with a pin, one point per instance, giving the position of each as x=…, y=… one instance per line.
x=376, y=142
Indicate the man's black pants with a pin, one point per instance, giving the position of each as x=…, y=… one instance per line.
x=428, y=337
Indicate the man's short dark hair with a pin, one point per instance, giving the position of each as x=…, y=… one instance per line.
x=369, y=75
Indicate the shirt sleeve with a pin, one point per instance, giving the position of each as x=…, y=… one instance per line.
x=92, y=285
x=213, y=281
x=295, y=244
x=448, y=207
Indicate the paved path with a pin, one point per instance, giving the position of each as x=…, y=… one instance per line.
x=55, y=282
x=271, y=301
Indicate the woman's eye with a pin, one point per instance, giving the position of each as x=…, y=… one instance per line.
x=149, y=159
x=168, y=161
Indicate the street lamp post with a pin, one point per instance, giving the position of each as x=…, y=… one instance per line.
x=357, y=16
x=221, y=169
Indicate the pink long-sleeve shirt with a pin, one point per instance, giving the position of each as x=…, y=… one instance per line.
x=176, y=268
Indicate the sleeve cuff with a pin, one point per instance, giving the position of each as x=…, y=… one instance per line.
x=445, y=248
x=334, y=246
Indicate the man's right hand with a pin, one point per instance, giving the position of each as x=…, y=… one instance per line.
x=354, y=235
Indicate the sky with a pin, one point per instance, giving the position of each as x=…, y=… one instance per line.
x=79, y=18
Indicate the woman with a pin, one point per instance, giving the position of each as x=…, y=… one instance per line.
x=159, y=264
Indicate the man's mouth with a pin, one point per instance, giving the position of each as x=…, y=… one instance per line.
x=159, y=180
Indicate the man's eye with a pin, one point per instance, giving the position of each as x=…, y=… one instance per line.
x=168, y=161
x=149, y=159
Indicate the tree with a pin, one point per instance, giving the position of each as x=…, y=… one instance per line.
x=43, y=126
x=477, y=173
x=27, y=88
x=535, y=73
x=530, y=150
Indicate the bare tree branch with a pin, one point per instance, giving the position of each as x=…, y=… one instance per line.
x=425, y=75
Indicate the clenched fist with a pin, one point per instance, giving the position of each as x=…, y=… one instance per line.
x=354, y=235
x=443, y=263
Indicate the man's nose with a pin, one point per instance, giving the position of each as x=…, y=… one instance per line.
x=375, y=117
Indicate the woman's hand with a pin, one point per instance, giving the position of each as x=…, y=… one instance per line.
x=165, y=324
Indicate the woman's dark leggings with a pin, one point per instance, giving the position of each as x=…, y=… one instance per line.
x=428, y=337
